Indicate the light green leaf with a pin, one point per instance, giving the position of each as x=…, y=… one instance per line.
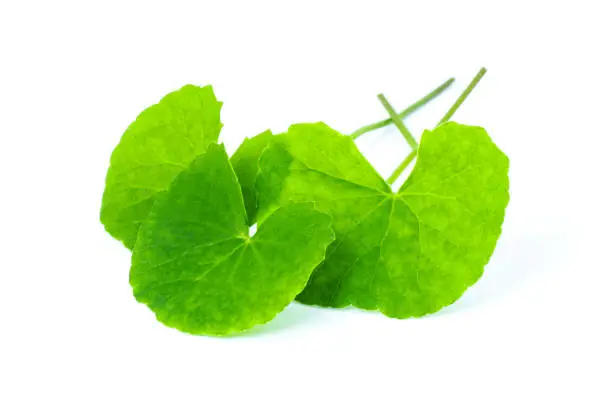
x=244, y=161
x=195, y=265
x=158, y=145
x=408, y=253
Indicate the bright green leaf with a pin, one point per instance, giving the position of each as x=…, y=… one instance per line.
x=195, y=265
x=244, y=161
x=158, y=145
x=408, y=253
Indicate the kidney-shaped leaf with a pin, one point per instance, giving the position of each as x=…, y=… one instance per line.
x=195, y=265
x=407, y=253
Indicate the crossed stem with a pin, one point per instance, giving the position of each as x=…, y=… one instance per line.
x=396, y=119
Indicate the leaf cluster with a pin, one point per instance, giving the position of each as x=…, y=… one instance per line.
x=330, y=230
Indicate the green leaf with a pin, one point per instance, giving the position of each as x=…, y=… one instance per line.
x=407, y=253
x=195, y=265
x=244, y=161
x=158, y=145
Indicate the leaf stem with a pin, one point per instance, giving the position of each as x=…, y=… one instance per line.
x=398, y=121
x=400, y=169
x=463, y=96
x=403, y=165
x=406, y=112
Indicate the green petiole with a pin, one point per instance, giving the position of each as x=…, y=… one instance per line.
x=398, y=122
x=404, y=164
x=406, y=112
x=463, y=96
x=400, y=169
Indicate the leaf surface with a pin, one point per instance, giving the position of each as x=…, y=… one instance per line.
x=244, y=161
x=407, y=253
x=158, y=145
x=195, y=265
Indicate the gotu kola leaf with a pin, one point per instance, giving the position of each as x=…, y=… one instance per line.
x=408, y=253
x=195, y=265
x=244, y=161
x=158, y=145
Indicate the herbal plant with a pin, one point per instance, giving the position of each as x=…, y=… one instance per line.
x=195, y=265
x=331, y=232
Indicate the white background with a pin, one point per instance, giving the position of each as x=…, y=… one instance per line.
x=533, y=332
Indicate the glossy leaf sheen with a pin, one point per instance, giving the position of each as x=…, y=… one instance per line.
x=195, y=265
x=158, y=145
x=244, y=161
x=408, y=253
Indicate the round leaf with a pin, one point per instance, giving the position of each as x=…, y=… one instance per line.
x=195, y=265
x=407, y=253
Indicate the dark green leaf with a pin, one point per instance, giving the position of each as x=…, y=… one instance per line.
x=195, y=265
